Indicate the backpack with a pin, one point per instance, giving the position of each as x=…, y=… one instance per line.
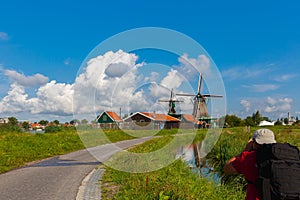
x=278, y=171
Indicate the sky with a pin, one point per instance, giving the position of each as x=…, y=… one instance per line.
x=51, y=68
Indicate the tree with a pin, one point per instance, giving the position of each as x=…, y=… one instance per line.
x=257, y=118
x=249, y=121
x=74, y=121
x=43, y=122
x=25, y=125
x=286, y=120
x=232, y=120
x=12, y=121
x=278, y=123
x=94, y=121
x=84, y=121
x=56, y=122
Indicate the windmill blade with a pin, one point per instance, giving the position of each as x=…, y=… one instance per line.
x=170, y=100
x=163, y=100
x=171, y=94
x=199, y=83
x=212, y=95
x=188, y=95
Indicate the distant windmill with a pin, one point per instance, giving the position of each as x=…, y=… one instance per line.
x=172, y=105
x=200, y=108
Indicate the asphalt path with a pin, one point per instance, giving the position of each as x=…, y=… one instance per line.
x=59, y=177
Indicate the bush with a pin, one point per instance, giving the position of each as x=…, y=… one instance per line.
x=53, y=129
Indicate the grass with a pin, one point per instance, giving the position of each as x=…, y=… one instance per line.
x=17, y=149
x=177, y=181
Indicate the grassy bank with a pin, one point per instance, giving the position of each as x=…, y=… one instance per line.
x=176, y=181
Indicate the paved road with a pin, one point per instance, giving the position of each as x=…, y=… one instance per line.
x=57, y=178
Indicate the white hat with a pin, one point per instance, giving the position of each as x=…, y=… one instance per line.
x=264, y=136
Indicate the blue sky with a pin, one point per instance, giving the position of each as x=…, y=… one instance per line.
x=254, y=44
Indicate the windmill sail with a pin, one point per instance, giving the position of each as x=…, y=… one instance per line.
x=172, y=104
x=199, y=101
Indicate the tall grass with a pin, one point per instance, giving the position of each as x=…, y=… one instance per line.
x=232, y=141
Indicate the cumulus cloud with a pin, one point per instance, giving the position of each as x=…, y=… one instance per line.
x=246, y=104
x=15, y=100
x=52, y=98
x=191, y=66
x=269, y=106
x=55, y=98
x=27, y=81
x=108, y=82
x=278, y=105
x=116, y=69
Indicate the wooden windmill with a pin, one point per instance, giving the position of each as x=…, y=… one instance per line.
x=172, y=105
x=200, y=109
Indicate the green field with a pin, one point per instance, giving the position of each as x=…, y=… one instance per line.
x=176, y=181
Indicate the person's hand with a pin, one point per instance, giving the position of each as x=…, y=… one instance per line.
x=249, y=146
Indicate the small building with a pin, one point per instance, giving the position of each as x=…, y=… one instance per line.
x=146, y=120
x=266, y=123
x=109, y=120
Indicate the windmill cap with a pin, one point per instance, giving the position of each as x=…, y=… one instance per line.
x=264, y=136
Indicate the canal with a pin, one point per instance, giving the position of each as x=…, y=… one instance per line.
x=200, y=166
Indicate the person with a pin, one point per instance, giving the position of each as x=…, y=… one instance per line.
x=245, y=162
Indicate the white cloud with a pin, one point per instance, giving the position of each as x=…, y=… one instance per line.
x=273, y=107
x=15, y=101
x=188, y=67
x=280, y=105
x=4, y=36
x=107, y=82
x=246, y=104
x=27, y=81
x=172, y=80
x=116, y=69
x=271, y=101
x=52, y=98
x=56, y=98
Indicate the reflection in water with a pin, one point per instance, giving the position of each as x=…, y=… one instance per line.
x=199, y=165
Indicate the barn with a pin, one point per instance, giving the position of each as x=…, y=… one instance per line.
x=146, y=120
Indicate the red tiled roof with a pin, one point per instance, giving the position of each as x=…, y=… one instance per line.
x=114, y=116
x=160, y=117
x=189, y=117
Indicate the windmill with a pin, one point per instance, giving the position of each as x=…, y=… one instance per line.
x=200, y=109
x=172, y=106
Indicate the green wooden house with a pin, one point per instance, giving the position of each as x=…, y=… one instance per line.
x=109, y=120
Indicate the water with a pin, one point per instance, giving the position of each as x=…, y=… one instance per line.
x=37, y=131
x=200, y=166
